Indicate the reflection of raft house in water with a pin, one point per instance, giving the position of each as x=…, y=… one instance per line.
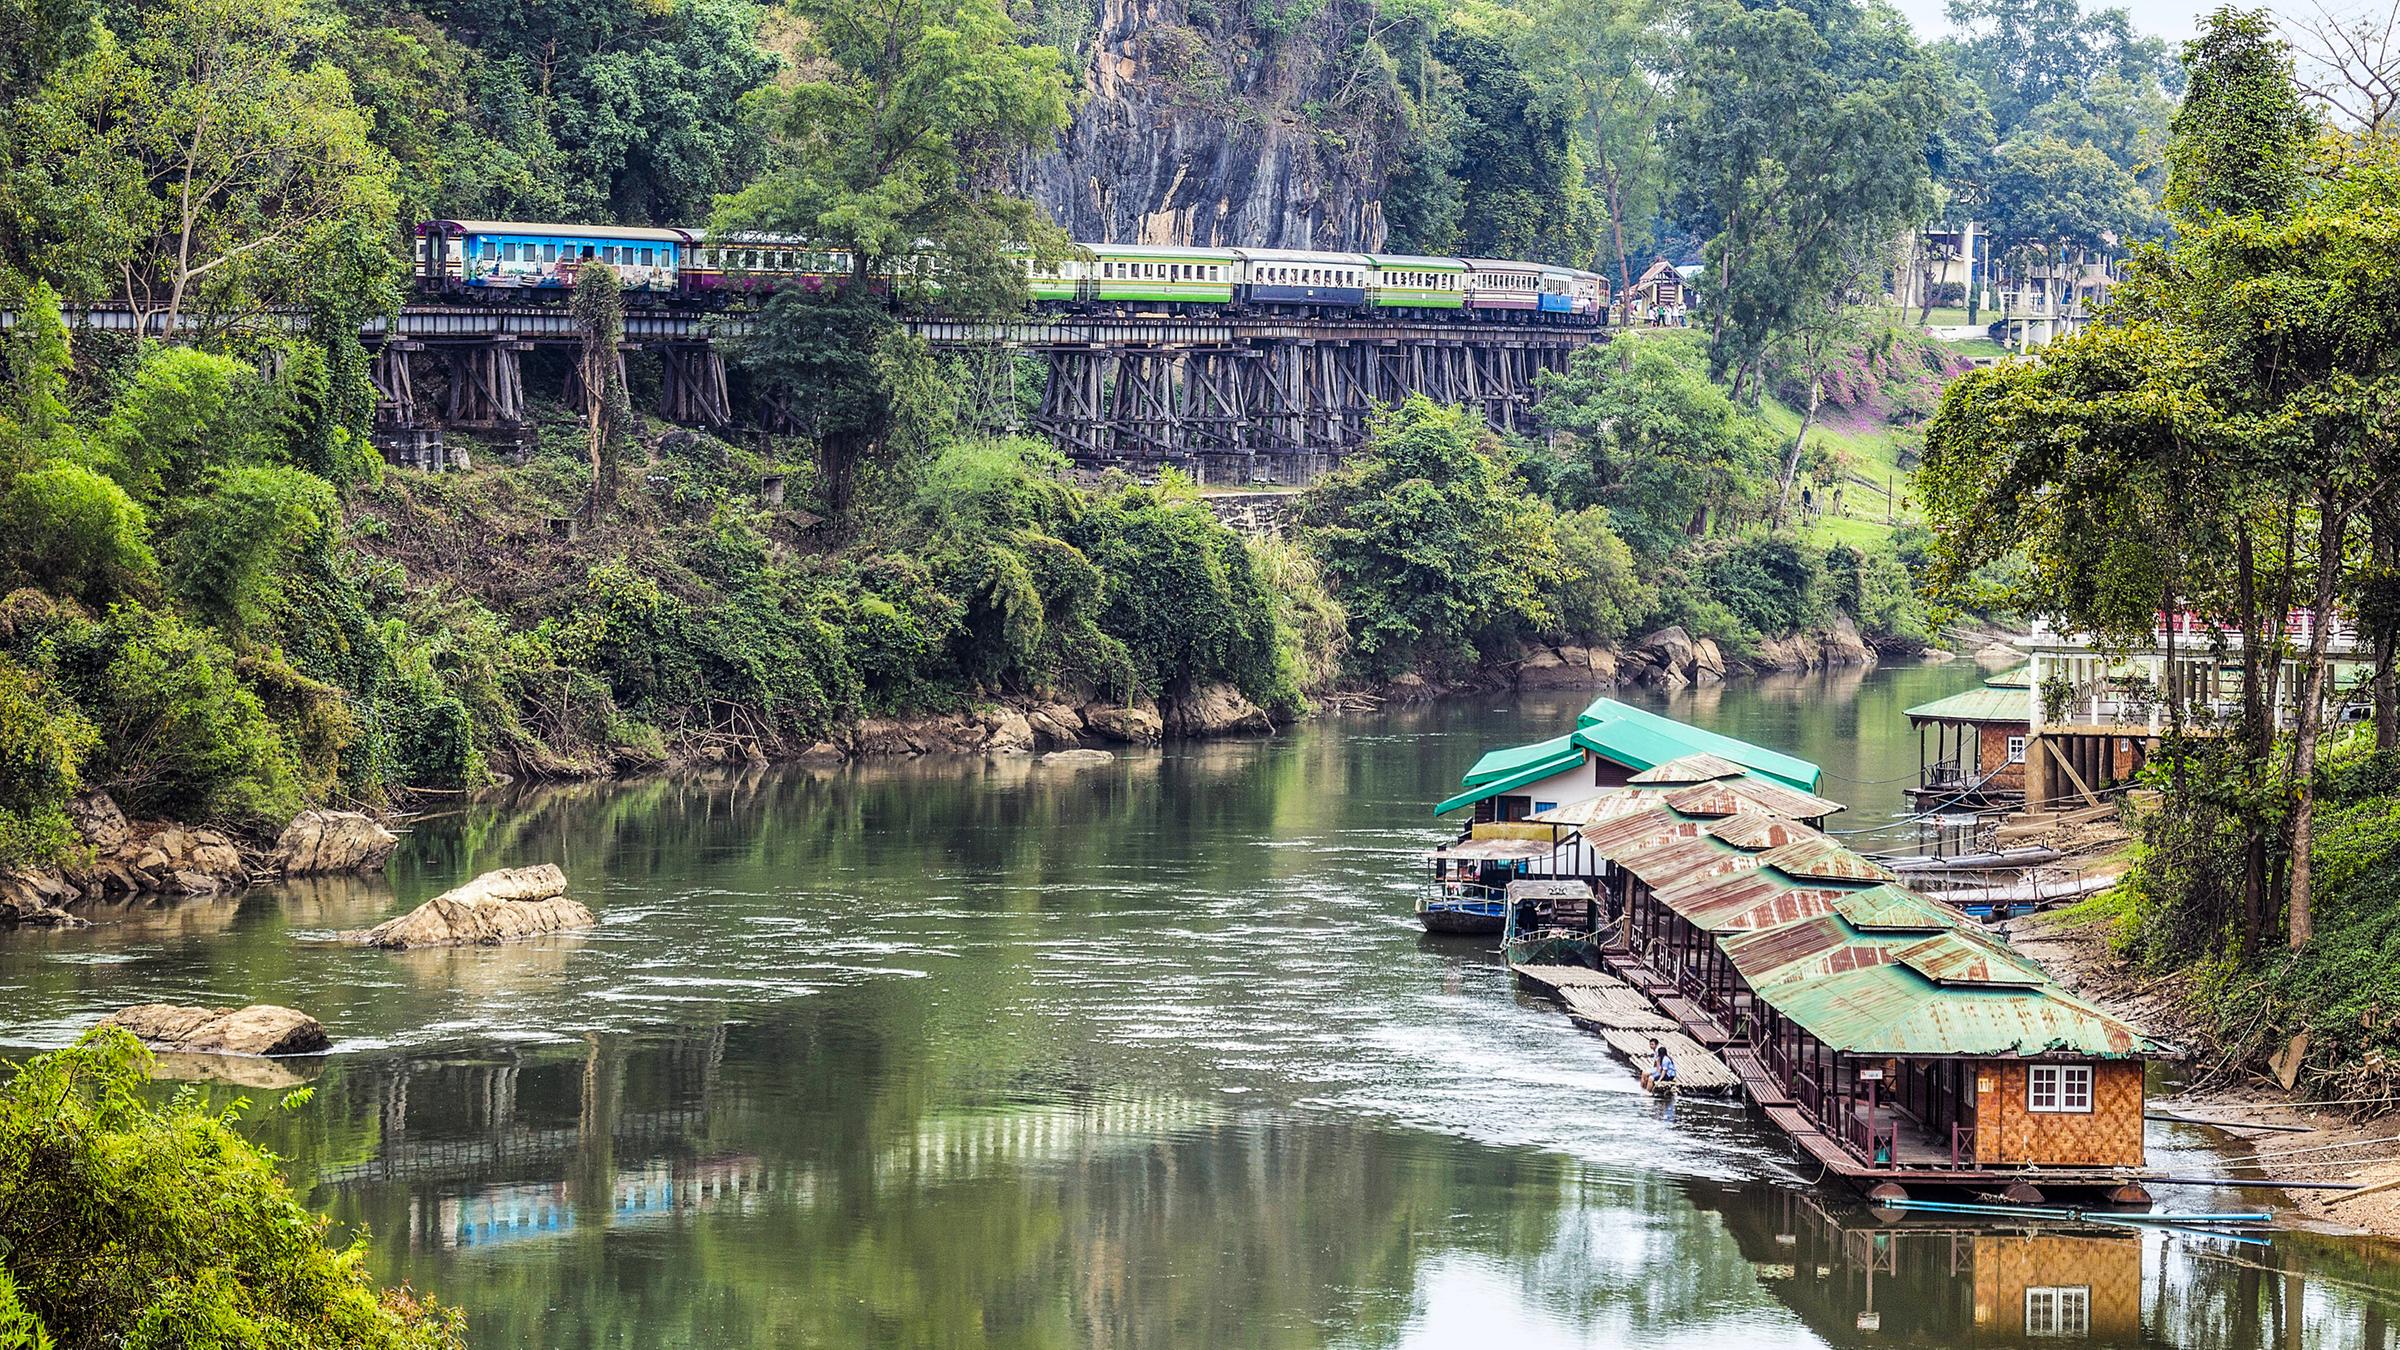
x=1927, y=1282
x=1896, y=1042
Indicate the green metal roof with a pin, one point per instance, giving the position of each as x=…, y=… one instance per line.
x=1627, y=736
x=1987, y=704
x=1894, y=909
x=1953, y=993
x=1644, y=740
x=1529, y=771
x=1516, y=759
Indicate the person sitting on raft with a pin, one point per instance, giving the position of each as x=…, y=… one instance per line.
x=1661, y=1073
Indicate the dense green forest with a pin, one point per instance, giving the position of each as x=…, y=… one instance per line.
x=218, y=603
x=221, y=604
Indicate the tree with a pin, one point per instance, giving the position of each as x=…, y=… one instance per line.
x=33, y=415
x=2047, y=195
x=862, y=390
x=2028, y=53
x=912, y=111
x=75, y=533
x=1796, y=134
x=1822, y=331
x=234, y=546
x=1435, y=547
x=209, y=156
x=600, y=378
x=1606, y=66
x=1655, y=441
x=2240, y=141
x=128, y=1223
x=622, y=110
x=2350, y=62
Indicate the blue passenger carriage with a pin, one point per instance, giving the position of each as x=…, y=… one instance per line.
x=486, y=256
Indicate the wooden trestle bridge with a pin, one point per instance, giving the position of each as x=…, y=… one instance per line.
x=1239, y=398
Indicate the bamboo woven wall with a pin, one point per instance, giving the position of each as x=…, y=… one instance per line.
x=2108, y=1135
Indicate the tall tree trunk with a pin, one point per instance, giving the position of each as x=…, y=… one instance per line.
x=2254, y=839
x=2382, y=685
x=2331, y=524
x=1791, y=458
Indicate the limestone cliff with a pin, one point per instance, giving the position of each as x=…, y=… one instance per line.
x=1223, y=126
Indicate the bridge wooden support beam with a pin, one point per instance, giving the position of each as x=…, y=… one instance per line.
x=487, y=385
x=1210, y=403
x=693, y=390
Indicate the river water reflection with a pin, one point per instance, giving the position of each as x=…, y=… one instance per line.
x=1146, y=1054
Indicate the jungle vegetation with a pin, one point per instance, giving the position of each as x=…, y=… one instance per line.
x=2225, y=445
x=217, y=602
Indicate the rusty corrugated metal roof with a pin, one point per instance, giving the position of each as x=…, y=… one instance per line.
x=1895, y=909
x=1949, y=959
x=1682, y=861
x=1698, y=768
x=1640, y=829
x=1755, y=833
x=1778, y=800
x=1821, y=859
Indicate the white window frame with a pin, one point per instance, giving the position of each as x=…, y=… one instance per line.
x=2016, y=749
x=2059, y=1089
x=2058, y=1310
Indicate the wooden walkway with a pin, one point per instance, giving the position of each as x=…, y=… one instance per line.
x=1626, y=1019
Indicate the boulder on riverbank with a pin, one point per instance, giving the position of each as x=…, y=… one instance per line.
x=260, y=1029
x=1126, y=724
x=124, y=858
x=317, y=842
x=37, y=898
x=500, y=906
x=1216, y=709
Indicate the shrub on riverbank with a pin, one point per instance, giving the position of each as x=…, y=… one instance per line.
x=2181, y=911
x=124, y=1223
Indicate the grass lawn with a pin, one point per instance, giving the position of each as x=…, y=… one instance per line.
x=1873, y=457
x=1978, y=348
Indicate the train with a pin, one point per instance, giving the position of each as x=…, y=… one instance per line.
x=491, y=258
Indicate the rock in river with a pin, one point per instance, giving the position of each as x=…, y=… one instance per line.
x=513, y=902
x=332, y=841
x=1078, y=759
x=260, y=1029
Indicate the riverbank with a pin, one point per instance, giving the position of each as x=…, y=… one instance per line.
x=2287, y=1137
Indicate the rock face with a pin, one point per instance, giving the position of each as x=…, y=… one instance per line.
x=1197, y=127
x=1128, y=724
x=317, y=842
x=513, y=902
x=126, y=859
x=1566, y=667
x=1216, y=710
x=261, y=1029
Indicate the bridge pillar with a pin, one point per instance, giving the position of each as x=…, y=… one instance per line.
x=399, y=429
x=693, y=389
x=487, y=385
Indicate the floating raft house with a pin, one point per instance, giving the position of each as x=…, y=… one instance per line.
x=1898, y=1043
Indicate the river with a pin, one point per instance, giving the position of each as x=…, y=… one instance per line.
x=1150, y=1054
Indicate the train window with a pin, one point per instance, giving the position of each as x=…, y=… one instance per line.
x=648, y=257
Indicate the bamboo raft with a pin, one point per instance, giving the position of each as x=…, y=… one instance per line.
x=1626, y=1019
x=1619, y=1009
